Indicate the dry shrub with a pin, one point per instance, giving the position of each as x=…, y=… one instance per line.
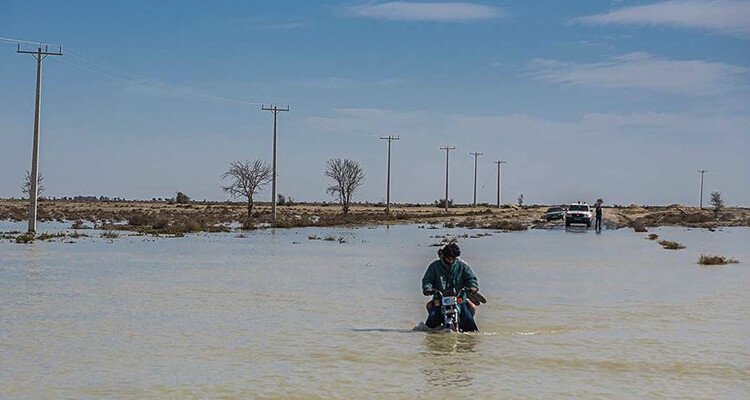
x=716, y=260
x=139, y=218
x=507, y=225
x=671, y=245
x=638, y=226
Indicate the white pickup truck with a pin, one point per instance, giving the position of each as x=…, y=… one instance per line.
x=578, y=213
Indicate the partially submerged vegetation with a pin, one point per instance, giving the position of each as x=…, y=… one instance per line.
x=171, y=218
x=29, y=237
x=671, y=245
x=716, y=260
x=652, y=236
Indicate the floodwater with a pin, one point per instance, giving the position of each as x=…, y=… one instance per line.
x=571, y=314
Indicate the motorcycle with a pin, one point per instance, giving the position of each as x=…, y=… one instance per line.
x=448, y=304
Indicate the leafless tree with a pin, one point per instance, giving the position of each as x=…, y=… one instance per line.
x=26, y=187
x=348, y=176
x=717, y=202
x=246, y=179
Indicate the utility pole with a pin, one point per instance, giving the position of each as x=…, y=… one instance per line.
x=39, y=55
x=389, y=138
x=476, y=156
x=447, y=151
x=275, y=110
x=499, y=174
x=702, y=171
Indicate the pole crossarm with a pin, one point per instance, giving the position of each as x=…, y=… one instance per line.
x=275, y=110
x=40, y=51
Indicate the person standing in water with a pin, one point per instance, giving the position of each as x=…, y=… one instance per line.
x=598, y=210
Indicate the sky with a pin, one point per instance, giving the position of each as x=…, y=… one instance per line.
x=620, y=100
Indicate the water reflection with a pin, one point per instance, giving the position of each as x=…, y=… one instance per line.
x=34, y=282
x=448, y=359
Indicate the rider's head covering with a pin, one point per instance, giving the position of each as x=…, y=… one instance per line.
x=449, y=250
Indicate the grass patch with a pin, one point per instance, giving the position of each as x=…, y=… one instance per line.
x=653, y=236
x=51, y=235
x=716, y=260
x=25, y=238
x=109, y=235
x=670, y=245
x=76, y=235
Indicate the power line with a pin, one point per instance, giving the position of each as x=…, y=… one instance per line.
x=476, y=157
x=499, y=181
x=702, y=171
x=39, y=55
x=275, y=110
x=389, y=138
x=447, y=151
x=21, y=41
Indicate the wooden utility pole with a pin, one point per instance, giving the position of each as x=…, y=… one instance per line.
x=39, y=55
x=447, y=151
x=499, y=182
x=389, y=138
x=275, y=110
x=476, y=156
x=702, y=171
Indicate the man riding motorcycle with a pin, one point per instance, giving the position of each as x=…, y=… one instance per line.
x=448, y=272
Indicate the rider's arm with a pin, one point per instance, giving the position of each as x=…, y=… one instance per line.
x=428, y=279
x=470, y=280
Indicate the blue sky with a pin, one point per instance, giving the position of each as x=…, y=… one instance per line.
x=623, y=100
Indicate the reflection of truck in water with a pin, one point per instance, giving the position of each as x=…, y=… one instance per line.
x=578, y=213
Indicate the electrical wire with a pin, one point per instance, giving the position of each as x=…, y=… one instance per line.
x=88, y=64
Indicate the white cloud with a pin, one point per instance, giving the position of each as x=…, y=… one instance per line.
x=724, y=16
x=642, y=71
x=435, y=12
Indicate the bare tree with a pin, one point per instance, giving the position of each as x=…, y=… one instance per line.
x=246, y=179
x=520, y=200
x=717, y=202
x=348, y=176
x=26, y=187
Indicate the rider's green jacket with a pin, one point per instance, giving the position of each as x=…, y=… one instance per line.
x=457, y=276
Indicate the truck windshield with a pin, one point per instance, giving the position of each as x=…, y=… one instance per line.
x=578, y=207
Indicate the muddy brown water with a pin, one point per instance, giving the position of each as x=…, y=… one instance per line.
x=571, y=314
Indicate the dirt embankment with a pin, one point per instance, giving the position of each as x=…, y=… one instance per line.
x=160, y=217
x=677, y=215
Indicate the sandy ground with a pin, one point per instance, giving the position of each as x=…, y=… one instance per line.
x=160, y=216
